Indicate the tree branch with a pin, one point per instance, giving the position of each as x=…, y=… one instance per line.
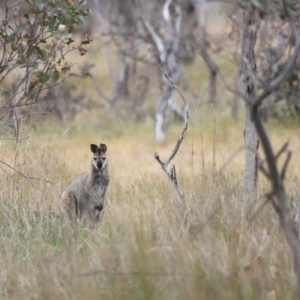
x=172, y=174
x=281, y=150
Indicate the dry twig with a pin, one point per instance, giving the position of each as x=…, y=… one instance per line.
x=164, y=165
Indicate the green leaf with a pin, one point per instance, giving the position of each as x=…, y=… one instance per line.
x=257, y=3
x=86, y=74
x=36, y=11
x=21, y=27
x=41, y=52
x=34, y=64
x=44, y=78
x=31, y=19
x=10, y=38
x=55, y=75
x=84, y=12
x=14, y=47
x=70, y=41
x=22, y=58
x=39, y=4
x=51, y=23
x=80, y=21
x=4, y=22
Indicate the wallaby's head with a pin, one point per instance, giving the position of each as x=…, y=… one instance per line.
x=99, y=157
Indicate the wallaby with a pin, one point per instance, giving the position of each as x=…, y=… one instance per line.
x=85, y=195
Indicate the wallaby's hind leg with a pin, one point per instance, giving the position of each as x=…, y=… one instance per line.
x=73, y=206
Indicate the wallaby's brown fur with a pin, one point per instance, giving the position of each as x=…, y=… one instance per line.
x=85, y=195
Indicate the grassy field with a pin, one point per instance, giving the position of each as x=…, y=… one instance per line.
x=143, y=249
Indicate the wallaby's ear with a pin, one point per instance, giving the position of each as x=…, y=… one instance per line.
x=94, y=148
x=103, y=148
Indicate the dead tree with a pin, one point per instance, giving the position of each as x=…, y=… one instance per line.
x=278, y=195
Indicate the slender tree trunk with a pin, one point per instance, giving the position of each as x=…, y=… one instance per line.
x=18, y=97
x=121, y=85
x=249, y=74
x=212, y=86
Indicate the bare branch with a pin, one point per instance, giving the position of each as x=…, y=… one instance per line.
x=172, y=174
x=101, y=93
x=262, y=168
x=182, y=135
x=28, y=178
x=268, y=198
x=287, y=160
x=281, y=150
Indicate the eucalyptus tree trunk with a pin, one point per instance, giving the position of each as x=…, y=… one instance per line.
x=166, y=98
x=249, y=76
x=167, y=52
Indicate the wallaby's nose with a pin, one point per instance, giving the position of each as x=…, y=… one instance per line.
x=99, y=165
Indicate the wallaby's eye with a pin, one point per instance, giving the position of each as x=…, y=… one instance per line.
x=95, y=158
x=103, y=158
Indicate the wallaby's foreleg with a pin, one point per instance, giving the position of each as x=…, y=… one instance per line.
x=95, y=215
x=98, y=212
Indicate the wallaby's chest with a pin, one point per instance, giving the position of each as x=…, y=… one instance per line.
x=100, y=185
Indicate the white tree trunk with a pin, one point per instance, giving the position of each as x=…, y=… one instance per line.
x=159, y=127
x=249, y=75
x=169, y=64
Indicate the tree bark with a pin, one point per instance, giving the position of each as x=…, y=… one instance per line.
x=249, y=75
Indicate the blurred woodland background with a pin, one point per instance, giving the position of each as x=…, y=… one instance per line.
x=135, y=75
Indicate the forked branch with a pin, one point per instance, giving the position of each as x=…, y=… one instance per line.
x=164, y=165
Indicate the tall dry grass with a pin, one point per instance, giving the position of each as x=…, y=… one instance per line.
x=142, y=250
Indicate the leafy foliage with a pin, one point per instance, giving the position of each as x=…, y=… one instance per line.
x=35, y=38
x=38, y=34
